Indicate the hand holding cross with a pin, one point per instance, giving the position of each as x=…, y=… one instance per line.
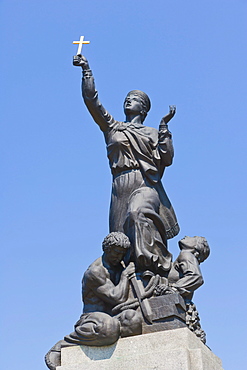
x=79, y=60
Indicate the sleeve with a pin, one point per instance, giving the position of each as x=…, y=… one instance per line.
x=191, y=274
x=90, y=96
x=165, y=146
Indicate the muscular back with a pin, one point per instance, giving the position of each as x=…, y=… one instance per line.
x=103, y=288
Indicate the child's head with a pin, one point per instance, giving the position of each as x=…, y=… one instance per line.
x=198, y=245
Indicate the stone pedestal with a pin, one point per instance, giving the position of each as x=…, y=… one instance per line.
x=177, y=349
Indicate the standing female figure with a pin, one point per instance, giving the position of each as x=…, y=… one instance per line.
x=137, y=156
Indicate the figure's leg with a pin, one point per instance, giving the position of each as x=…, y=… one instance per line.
x=146, y=231
x=122, y=187
x=95, y=329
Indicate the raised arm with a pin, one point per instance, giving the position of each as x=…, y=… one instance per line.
x=90, y=95
x=165, y=140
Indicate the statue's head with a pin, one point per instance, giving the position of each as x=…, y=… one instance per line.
x=115, y=245
x=137, y=101
x=198, y=245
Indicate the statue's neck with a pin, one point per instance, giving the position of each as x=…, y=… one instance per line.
x=134, y=119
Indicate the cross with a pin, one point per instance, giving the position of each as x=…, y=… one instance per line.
x=80, y=44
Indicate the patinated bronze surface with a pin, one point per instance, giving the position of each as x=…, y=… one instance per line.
x=138, y=156
x=134, y=287
x=121, y=301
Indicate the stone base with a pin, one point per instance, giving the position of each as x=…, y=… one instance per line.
x=177, y=349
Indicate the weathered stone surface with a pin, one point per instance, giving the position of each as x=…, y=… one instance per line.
x=177, y=349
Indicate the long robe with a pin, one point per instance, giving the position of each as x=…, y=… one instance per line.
x=139, y=207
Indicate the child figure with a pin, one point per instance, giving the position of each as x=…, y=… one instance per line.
x=185, y=275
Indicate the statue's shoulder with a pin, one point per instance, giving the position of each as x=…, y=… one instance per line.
x=94, y=270
x=187, y=256
x=154, y=131
x=151, y=132
x=151, y=129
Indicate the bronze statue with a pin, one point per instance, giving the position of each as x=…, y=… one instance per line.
x=138, y=156
x=134, y=287
x=185, y=277
x=105, y=285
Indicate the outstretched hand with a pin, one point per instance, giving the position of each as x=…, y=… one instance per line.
x=80, y=61
x=172, y=110
x=168, y=117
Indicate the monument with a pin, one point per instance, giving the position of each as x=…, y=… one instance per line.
x=138, y=310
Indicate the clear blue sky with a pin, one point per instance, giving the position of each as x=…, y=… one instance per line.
x=55, y=183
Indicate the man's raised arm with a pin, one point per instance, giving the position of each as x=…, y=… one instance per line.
x=90, y=95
